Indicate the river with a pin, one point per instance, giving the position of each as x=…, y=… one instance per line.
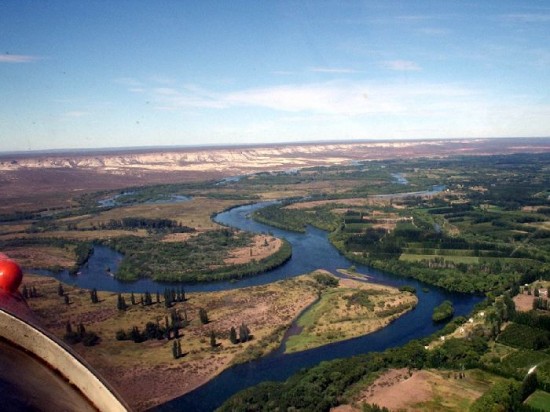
x=310, y=251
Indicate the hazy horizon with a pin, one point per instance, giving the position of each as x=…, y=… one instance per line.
x=191, y=147
x=111, y=75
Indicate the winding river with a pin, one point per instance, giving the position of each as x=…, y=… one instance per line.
x=310, y=251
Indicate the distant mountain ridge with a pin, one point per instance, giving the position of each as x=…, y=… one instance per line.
x=253, y=158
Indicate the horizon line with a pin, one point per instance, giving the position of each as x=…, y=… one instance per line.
x=152, y=148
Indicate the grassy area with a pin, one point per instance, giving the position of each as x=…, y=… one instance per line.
x=408, y=257
x=353, y=309
x=539, y=400
x=195, y=213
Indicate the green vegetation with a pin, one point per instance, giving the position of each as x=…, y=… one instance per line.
x=345, y=312
x=526, y=337
x=407, y=288
x=443, y=312
x=539, y=400
x=199, y=258
x=326, y=280
x=325, y=386
x=474, y=237
x=296, y=220
x=506, y=368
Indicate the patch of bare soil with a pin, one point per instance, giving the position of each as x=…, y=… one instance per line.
x=146, y=386
x=397, y=388
x=41, y=256
x=262, y=247
x=523, y=302
x=425, y=390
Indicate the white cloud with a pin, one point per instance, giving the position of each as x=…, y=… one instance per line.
x=401, y=65
x=348, y=98
x=17, y=58
x=189, y=97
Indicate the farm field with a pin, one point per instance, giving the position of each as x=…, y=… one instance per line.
x=539, y=400
x=427, y=390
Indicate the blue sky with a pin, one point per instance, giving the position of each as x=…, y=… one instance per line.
x=84, y=74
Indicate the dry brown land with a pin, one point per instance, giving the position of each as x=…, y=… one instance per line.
x=146, y=373
x=524, y=301
x=42, y=256
x=424, y=390
x=262, y=246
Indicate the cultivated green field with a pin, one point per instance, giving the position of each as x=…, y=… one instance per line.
x=539, y=400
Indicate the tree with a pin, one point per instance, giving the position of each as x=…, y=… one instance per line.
x=80, y=330
x=203, y=316
x=93, y=296
x=529, y=385
x=167, y=298
x=244, y=333
x=132, y=298
x=90, y=339
x=233, y=336
x=175, y=349
x=136, y=335
x=121, y=303
x=70, y=336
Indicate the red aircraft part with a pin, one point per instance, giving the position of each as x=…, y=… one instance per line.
x=11, y=275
